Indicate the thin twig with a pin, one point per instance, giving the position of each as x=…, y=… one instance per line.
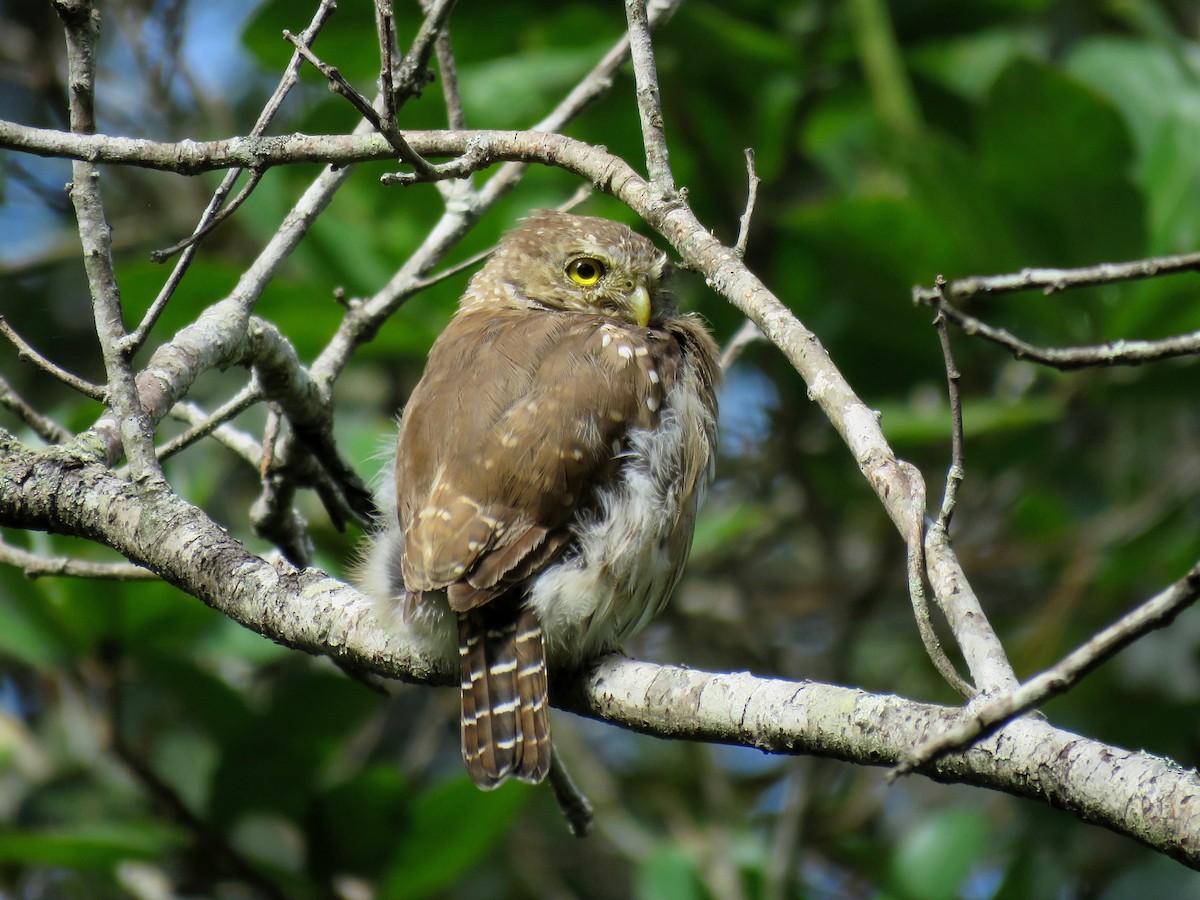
x=916, y=592
x=986, y=659
x=1050, y=281
x=751, y=198
x=245, y=398
x=385, y=28
x=576, y=808
x=957, y=470
x=125, y=415
x=209, y=223
x=214, y=213
x=474, y=159
x=233, y=439
x=455, y=116
x=27, y=353
x=339, y=85
x=658, y=163
x=43, y=426
x=35, y=566
x=977, y=723
x=583, y=193
x=748, y=334
x=414, y=68
x=1114, y=353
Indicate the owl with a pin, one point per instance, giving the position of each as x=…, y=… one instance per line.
x=547, y=473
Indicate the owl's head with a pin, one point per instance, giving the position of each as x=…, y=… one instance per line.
x=554, y=260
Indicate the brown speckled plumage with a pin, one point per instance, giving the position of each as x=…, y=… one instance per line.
x=547, y=472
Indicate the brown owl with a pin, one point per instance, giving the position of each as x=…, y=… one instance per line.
x=547, y=474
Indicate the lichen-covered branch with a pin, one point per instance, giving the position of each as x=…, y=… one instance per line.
x=1136, y=794
x=898, y=485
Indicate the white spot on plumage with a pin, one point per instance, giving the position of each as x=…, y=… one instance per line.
x=625, y=351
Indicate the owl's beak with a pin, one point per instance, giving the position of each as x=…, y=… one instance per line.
x=638, y=302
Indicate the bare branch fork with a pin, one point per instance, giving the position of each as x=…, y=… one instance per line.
x=215, y=213
x=1157, y=612
x=943, y=295
x=748, y=333
x=899, y=485
x=895, y=482
x=984, y=717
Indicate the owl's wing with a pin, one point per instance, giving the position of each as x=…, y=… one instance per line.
x=518, y=417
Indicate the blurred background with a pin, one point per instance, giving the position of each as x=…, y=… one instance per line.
x=151, y=748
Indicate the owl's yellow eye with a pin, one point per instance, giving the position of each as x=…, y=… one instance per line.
x=585, y=271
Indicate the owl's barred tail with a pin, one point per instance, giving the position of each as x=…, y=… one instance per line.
x=505, y=708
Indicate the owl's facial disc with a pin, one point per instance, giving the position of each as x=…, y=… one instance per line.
x=607, y=284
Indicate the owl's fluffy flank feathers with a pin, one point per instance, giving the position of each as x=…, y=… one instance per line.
x=547, y=472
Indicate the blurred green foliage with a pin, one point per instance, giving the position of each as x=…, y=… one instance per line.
x=146, y=741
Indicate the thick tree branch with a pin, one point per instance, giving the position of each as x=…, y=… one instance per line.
x=1136, y=794
x=898, y=485
x=1157, y=612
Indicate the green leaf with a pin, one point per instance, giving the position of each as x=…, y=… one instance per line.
x=717, y=527
x=27, y=631
x=903, y=423
x=1158, y=99
x=511, y=91
x=935, y=858
x=669, y=874
x=451, y=828
x=88, y=846
x=969, y=63
x=355, y=824
x=312, y=713
x=1065, y=170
